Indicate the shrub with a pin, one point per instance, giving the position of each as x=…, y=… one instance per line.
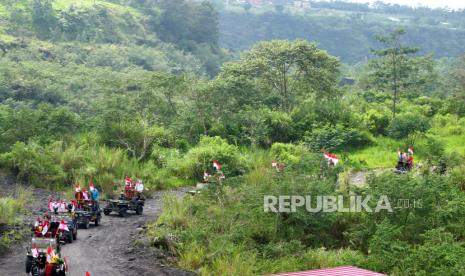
x=200, y=158
x=336, y=138
x=406, y=124
x=376, y=121
x=286, y=153
x=34, y=165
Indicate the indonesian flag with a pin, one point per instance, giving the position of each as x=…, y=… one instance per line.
x=36, y=224
x=77, y=188
x=216, y=165
x=63, y=226
x=45, y=228
x=410, y=150
x=35, y=251
x=50, y=253
x=331, y=157
x=50, y=204
x=91, y=186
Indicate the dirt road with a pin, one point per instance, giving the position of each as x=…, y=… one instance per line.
x=109, y=249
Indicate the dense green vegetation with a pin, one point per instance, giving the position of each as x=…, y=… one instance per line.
x=97, y=90
x=224, y=231
x=11, y=208
x=344, y=29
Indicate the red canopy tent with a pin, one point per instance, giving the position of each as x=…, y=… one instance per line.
x=336, y=271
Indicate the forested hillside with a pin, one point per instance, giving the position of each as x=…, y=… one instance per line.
x=343, y=29
x=94, y=91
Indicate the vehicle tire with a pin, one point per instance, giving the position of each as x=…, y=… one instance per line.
x=75, y=236
x=139, y=209
x=69, y=238
x=106, y=212
x=87, y=224
x=28, y=264
x=35, y=270
x=122, y=211
x=97, y=221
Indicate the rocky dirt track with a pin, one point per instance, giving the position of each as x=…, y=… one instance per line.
x=106, y=250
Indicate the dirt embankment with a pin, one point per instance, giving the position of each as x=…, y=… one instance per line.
x=107, y=250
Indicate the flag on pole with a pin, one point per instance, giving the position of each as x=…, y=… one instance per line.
x=45, y=228
x=63, y=226
x=331, y=157
x=50, y=253
x=35, y=251
x=216, y=165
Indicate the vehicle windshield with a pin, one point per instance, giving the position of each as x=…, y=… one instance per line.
x=43, y=243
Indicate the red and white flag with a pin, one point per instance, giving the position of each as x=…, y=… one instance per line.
x=45, y=228
x=50, y=204
x=331, y=157
x=35, y=251
x=50, y=253
x=216, y=165
x=63, y=226
x=91, y=186
x=77, y=188
x=410, y=150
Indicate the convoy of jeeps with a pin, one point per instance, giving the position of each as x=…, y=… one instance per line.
x=59, y=225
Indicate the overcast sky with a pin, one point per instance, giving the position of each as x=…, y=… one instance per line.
x=456, y=4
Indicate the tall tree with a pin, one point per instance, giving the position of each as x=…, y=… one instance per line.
x=288, y=71
x=43, y=18
x=395, y=69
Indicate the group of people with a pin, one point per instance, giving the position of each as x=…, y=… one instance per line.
x=132, y=188
x=405, y=159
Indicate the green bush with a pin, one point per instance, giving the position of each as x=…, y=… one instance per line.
x=287, y=153
x=406, y=124
x=336, y=138
x=200, y=158
x=376, y=121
